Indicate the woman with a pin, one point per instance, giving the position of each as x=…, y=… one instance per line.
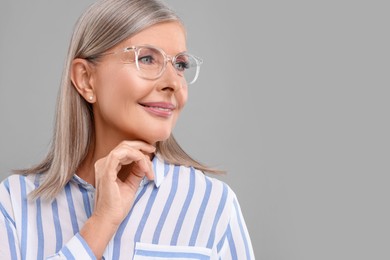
x=115, y=184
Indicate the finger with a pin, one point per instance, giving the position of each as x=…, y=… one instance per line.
x=144, y=148
x=143, y=167
x=110, y=165
x=150, y=173
x=124, y=155
x=139, y=145
x=147, y=168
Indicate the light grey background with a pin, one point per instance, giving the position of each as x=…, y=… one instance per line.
x=293, y=101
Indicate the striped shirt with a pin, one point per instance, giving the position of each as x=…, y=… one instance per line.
x=182, y=214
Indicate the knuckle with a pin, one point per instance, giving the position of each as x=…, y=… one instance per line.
x=98, y=164
x=115, y=154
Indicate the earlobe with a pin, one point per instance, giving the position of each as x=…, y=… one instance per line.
x=80, y=76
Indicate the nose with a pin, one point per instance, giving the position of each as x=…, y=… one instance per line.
x=170, y=80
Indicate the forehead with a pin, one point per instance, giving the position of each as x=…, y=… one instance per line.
x=169, y=36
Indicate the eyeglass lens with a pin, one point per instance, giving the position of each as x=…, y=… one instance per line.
x=151, y=63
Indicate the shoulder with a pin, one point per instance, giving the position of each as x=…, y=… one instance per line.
x=18, y=185
x=12, y=195
x=205, y=186
x=211, y=201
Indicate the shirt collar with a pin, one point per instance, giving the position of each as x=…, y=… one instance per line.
x=160, y=170
x=76, y=179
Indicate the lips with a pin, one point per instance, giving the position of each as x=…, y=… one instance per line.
x=161, y=109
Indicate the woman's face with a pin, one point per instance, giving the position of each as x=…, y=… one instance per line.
x=129, y=107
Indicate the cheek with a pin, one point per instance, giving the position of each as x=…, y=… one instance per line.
x=117, y=86
x=182, y=97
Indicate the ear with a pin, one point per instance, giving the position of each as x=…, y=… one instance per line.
x=81, y=77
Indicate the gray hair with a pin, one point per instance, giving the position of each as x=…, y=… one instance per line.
x=103, y=25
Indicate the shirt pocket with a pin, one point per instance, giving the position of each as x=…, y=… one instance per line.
x=145, y=251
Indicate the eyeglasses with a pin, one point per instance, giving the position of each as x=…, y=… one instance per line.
x=151, y=62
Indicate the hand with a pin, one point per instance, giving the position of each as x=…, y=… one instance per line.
x=117, y=179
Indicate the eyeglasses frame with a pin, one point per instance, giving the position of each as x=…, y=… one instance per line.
x=167, y=58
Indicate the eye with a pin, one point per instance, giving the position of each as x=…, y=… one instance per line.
x=182, y=65
x=146, y=59
x=182, y=62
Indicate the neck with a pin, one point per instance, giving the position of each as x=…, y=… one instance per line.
x=86, y=169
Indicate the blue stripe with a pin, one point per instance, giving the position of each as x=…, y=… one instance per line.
x=200, y=215
x=146, y=214
x=6, y=184
x=87, y=204
x=232, y=246
x=68, y=254
x=167, y=206
x=39, y=224
x=11, y=239
x=221, y=206
x=184, y=209
x=71, y=208
x=6, y=215
x=221, y=242
x=57, y=225
x=122, y=226
x=24, y=215
x=163, y=254
x=86, y=246
x=237, y=208
x=166, y=169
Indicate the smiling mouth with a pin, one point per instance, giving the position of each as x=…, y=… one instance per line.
x=160, y=109
x=159, y=105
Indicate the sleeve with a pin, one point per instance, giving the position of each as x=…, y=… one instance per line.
x=9, y=243
x=76, y=248
x=10, y=247
x=236, y=243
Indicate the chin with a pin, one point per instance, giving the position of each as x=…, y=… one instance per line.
x=163, y=138
x=156, y=138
